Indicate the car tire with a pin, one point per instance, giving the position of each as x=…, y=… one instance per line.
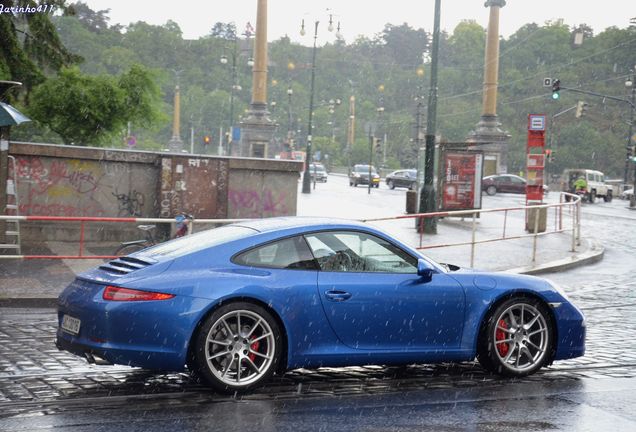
x=516, y=339
x=592, y=197
x=608, y=197
x=390, y=184
x=376, y=185
x=491, y=190
x=232, y=359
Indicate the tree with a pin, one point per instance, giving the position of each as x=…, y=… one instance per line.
x=86, y=109
x=30, y=44
x=95, y=21
x=224, y=31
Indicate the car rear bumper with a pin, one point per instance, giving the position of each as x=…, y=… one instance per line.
x=108, y=354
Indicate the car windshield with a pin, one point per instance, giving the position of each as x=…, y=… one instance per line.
x=364, y=169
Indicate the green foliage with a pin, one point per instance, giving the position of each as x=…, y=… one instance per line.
x=30, y=44
x=91, y=110
x=389, y=59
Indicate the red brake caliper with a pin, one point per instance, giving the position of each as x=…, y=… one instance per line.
x=502, y=335
x=254, y=347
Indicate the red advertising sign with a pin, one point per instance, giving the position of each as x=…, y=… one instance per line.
x=461, y=180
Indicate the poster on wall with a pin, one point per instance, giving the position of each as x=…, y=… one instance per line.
x=460, y=180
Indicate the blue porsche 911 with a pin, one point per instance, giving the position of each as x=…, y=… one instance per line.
x=237, y=303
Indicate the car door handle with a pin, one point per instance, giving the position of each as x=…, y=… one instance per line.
x=337, y=296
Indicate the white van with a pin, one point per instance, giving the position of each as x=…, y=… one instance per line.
x=596, y=186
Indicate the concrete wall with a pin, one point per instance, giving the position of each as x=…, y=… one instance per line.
x=56, y=180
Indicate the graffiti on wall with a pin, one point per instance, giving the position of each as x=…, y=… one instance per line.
x=252, y=203
x=130, y=204
x=72, y=187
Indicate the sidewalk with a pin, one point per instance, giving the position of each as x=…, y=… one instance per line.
x=39, y=282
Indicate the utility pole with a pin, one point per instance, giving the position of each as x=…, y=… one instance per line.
x=428, y=202
x=630, y=140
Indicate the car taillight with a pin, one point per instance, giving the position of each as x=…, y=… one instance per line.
x=114, y=293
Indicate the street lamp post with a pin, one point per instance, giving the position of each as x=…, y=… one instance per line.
x=306, y=175
x=290, y=93
x=233, y=88
x=428, y=202
x=631, y=84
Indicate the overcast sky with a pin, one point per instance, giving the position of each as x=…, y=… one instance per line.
x=363, y=17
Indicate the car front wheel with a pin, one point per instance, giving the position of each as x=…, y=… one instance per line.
x=237, y=348
x=516, y=340
x=491, y=190
x=390, y=184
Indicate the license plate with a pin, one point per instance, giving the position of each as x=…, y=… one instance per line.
x=71, y=325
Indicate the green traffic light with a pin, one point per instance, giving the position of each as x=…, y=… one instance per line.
x=555, y=95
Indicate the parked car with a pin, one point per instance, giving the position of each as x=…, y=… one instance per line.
x=596, y=186
x=318, y=171
x=239, y=302
x=627, y=194
x=509, y=183
x=402, y=178
x=359, y=175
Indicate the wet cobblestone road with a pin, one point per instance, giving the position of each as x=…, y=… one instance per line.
x=36, y=377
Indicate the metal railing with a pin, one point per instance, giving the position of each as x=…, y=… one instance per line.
x=87, y=219
x=572, y=203
x=573, y=208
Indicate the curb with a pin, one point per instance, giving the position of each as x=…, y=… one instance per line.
x=593, y=253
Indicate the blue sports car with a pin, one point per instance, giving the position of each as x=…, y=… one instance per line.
x=240, y=302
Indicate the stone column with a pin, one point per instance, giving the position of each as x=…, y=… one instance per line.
x=257, y=130
x=488, y=134
x=175, y=144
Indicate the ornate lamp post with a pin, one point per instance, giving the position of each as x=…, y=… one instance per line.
x=235, y=87
x=306, y=176
x=631, y=85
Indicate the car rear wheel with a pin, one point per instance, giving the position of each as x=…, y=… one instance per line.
x=491, y=190
x=237, y=348
x=516, y=340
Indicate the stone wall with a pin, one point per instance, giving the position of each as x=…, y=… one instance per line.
x=55, y=180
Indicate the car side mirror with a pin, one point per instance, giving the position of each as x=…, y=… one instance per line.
x=424, y=269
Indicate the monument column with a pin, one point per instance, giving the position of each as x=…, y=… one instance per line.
x=257, y=130
x=175, y=144
x=488, y=133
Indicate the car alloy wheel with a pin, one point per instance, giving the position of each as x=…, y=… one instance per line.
x=491, y=190
x=237, y=348
x=390, y=184
x=518, y=338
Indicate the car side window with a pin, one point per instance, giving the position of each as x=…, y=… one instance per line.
x=291, y=253
x=350, y=251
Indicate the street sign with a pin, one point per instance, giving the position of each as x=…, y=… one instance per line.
x=536, y=122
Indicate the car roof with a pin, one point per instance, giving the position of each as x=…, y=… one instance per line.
x=308, y=222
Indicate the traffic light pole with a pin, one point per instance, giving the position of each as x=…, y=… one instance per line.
x=556, y=87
